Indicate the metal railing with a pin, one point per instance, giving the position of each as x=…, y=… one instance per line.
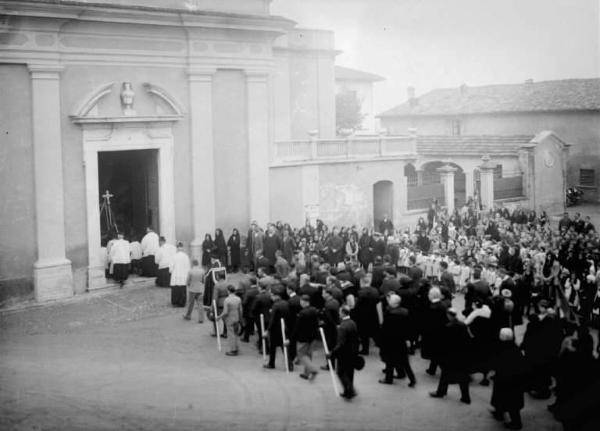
x=345, y=148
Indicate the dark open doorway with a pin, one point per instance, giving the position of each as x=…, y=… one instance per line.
x=383, y=201
x=132, y=179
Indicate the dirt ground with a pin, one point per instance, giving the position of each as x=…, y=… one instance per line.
x=126, y=360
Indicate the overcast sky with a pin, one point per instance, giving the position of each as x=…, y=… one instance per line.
x=445, y=43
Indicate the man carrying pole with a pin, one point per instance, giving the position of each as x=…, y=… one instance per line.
x=305, y=333
x=275, y=331
x=345, y=352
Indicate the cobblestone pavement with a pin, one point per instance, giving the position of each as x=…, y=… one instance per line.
x=125, y=359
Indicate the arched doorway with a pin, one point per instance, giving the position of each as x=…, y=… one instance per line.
x=383, y=201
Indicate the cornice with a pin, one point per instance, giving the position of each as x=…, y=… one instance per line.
x=116, y=13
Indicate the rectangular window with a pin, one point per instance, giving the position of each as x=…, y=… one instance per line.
x=587, y=177
x=456, y=128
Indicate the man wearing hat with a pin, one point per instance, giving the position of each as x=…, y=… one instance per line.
x=507, y=393
x=306, y=332
x=393, y=350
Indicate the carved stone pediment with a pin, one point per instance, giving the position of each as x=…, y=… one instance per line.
x=105, y=105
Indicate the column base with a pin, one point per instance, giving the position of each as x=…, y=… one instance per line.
x=96, y=278
x=53, y=279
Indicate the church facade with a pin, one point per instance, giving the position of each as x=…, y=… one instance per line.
x=167, y=110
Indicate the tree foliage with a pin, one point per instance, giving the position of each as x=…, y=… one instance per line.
x=348, y=113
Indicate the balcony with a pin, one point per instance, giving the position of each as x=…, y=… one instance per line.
x=352, y=148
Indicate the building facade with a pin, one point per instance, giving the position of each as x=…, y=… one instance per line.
x=570, y=108
x=171, y=107
x=360, y=84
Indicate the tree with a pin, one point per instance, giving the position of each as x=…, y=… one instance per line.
x=348, y=113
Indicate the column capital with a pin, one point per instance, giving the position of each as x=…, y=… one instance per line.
x=200, y=73
x=487, y=165
x=45, y=71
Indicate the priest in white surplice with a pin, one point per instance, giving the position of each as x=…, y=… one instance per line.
x=150, y=247
x=180, y=268
x=120, y=259
x=163, y=258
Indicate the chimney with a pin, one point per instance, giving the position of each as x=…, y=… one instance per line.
x=412, y=100
x=463, y=90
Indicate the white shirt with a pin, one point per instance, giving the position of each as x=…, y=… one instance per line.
x=180, y=267
x=150, y=244
x=119, y=252
x=164, y=256
x=484, y=311
x=136, y=250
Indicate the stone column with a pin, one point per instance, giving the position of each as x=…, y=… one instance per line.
x=420, y=177
x=447, y=180
x=202, y=159
x=469, y=191
x=258, y=145
x=53, y=278
x=487, y=183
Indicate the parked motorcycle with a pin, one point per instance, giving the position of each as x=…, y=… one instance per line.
x=574, y=195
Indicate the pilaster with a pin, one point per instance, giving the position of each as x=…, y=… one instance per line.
x=200, y=81
x=259, y=142
x=53, y=278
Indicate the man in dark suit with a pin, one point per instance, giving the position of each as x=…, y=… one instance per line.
x=262, y=305
x=393, y=351
x=390, y=283
x=378, y=273
x=330, y=317
x=279, y=311
x=306, y=332
x=367, y=319
x=295, y=307
x=248, y=301
x=477, y=290
x=433, y=323
x=454, y=358
x=345, y=352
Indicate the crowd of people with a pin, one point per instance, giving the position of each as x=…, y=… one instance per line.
x=402, y=289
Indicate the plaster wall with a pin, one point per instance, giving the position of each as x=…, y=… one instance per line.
x=346, y=191
x=17, y=212
x=230, y=151
x=286, y=185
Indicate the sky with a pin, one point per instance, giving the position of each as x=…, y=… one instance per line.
x=446, y=43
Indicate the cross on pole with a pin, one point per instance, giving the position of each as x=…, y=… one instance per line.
x=107, y=196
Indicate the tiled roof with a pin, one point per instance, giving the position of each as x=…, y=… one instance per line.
x=347, y=74
x=476, y=145
x=563, y=95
